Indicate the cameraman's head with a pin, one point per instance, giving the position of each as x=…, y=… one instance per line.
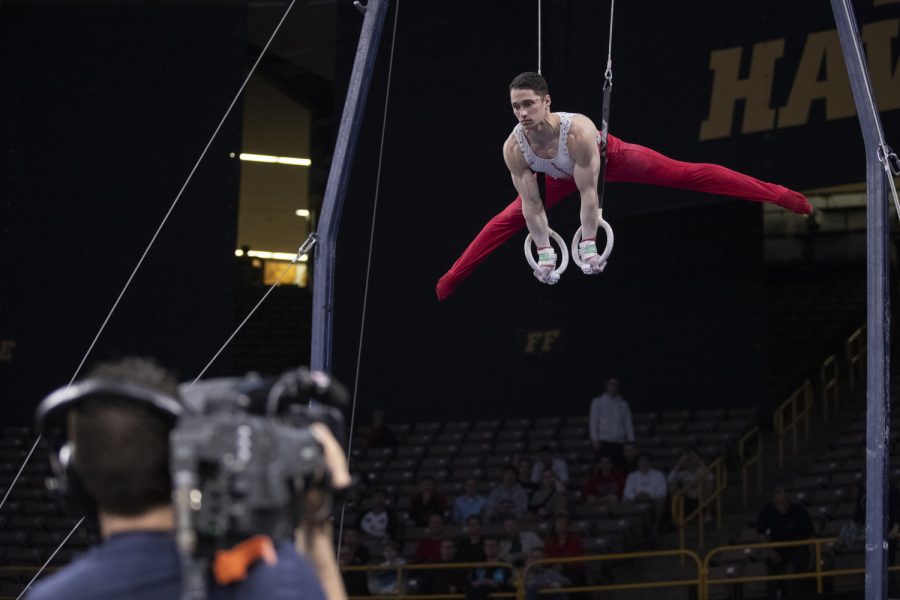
x=121, y=448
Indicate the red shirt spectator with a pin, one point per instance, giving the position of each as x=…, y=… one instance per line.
x=562, y=543
x=605, y=483
x=428, y=549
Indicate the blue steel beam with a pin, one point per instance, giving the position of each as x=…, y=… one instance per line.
x=878, y=317
x=338, y=179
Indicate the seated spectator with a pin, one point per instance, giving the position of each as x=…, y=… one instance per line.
x=547, y=462
x=471, y=547
x=508, y=498
x=647, y=485
x=428, y=548
x=630, y=455
x=469, y=504
x=355, y=582
x=359, y=552
x=563, y=543
x=426, y=502
x=686, y=475
x=524, y=467
x=446, y=581
x=550, y=498
x=389, y=580
x=378, y=522
x=516, y=544
x=605, y=484
x=483, y=581
x=541, y=577
x=784, y=521
x=380, y=435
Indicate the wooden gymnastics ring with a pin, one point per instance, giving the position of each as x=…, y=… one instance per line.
x=576, y=257
x=564, y=254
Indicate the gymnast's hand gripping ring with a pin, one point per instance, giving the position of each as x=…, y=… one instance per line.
x=564, y=255
x=606, y=251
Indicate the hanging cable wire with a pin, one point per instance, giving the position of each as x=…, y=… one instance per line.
x=159, y=229
x=362, y=326
x=51, y=557
x=305, y=248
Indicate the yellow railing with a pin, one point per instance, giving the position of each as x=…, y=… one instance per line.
x=718, y=469
x=701, y=582
x=695, y=582
x=831, y=389
x=790, y=414
x=816, y=572
x=855, y=349
x=749, y=453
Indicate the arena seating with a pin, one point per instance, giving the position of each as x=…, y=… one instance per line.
x=453, y=451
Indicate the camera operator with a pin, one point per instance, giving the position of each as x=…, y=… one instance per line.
x=117, y=425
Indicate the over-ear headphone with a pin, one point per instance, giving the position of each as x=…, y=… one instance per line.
x=50, y=423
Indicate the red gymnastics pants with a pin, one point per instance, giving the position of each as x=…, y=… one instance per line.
x=629, y=163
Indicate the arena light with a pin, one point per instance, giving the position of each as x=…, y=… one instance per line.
x=266, y=255
x=302, y=212
x=268, y=158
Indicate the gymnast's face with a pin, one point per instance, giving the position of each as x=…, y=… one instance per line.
x=529, y=107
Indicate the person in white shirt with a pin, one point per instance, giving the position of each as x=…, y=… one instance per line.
x=647, y=485
x=610, y=423
x=547, y=461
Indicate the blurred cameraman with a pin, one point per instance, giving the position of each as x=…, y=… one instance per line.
x=119, y=445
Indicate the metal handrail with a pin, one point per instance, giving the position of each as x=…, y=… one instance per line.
x=855, y=349
x=829, y=378
x=785, y=424
x=747, y=460
x=681, y=520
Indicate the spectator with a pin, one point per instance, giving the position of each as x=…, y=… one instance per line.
x=428, y=548
x=547, y=462
x=630, y=454
x=469, y=504
x=426, y=503
x=122, y=459
x=378, y=522
x=605, y=484
x=541, y=577
x=446, y=581
x=471, y=547
x=563, y=543
x=516, y=544
x=380, y=435
x=610, y=422
x=486, y=580
x=550, y=498
x=508, y=498
x=359, y=552
x=524, y=469
x=390, y=580
x=647, y=485
x=783, y=521
x=686, y=475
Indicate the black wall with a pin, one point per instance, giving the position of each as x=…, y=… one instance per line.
x=679, y=313
x=105, y=108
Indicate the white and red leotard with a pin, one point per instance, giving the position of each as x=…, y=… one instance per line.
x=625, y=162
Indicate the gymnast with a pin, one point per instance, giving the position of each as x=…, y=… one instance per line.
x=566, y=148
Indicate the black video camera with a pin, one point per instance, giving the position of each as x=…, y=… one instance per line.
x=244, y=461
